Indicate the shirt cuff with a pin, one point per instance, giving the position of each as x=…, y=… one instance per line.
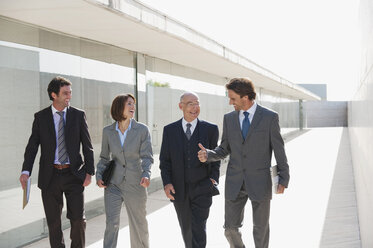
x=214, y=182
x=146, y=174
x=26, y=173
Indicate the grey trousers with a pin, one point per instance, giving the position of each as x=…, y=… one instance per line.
x=134, y=198
x=234, y=215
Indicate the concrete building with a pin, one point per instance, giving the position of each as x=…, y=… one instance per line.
x=325, y=114
x=360, y=123
x=318, y=89
x=108, y=47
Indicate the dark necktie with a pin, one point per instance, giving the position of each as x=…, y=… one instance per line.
x=62, y=154
x=245, y=125
x=188, y=133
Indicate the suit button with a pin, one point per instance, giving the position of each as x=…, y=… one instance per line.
x=244, y=156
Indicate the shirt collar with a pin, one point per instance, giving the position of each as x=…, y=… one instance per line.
x=194, y=122
x=54, y=110
x=129, y=126
x=251, y=110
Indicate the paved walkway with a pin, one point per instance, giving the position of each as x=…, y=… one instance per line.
x=317, y=210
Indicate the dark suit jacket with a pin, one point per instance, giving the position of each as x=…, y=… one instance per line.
x=44, y=134
x=172, y=155
x=250, y=159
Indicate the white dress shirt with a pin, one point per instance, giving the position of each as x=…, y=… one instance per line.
x=122, y=136
x=193, y=123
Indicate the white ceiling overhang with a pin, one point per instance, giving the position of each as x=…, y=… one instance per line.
x=133, y=26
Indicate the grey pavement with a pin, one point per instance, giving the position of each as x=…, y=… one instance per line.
x=317, y=210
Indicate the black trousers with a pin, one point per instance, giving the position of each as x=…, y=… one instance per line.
x=64, y=182
x=193, y=212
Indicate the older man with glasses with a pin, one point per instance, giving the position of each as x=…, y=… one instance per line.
x=189, y=183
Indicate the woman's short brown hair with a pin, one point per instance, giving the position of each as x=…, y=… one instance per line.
x=118, y=105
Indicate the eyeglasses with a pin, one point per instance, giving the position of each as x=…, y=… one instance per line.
x=191, y=104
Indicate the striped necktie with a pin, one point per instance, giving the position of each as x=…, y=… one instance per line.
x=188, y=132
x=62, y=153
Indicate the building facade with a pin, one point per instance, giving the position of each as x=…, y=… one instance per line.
x=360, y=122
x=33, y=50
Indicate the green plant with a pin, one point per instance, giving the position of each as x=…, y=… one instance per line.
x=158, y=84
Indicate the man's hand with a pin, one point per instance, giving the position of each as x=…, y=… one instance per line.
x=145, y=182
x=87, y=180
x=280, y=189
x=202, y=154
x=168, y=189
x=23, y=180
x=100, y=183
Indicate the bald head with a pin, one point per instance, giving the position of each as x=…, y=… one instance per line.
x=189, y=104
x=186, y=94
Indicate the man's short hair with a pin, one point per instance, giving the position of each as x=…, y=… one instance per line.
x=118, y=105
x=242, y=87
x=56, y=84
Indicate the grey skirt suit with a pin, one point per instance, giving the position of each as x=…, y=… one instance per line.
x=132, y=162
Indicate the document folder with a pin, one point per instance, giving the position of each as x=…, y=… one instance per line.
x=26, y=193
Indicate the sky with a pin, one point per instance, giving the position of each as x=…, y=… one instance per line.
x=303, y=41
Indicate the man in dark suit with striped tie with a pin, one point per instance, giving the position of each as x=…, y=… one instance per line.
x=60, y=130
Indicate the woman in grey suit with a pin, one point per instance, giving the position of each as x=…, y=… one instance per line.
x=128, y=143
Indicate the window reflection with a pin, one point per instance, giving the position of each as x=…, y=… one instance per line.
x=98, y=72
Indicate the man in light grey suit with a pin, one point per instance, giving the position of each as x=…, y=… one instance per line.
x=250, y=134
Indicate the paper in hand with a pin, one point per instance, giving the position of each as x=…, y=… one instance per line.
x=26, y=193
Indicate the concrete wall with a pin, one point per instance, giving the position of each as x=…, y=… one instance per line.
x=360, y=123
x=325, y=114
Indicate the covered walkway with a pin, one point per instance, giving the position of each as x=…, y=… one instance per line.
x=317, y=210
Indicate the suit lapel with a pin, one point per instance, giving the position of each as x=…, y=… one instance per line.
x=201, y=132
x=69, y=119
x=131, y=134
x=51, y=128
x=236, y=124
x=114, y=135
x=179, y=138
x=256, y=120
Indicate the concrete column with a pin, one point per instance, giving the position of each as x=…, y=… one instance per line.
x=141, y=110
x=301, y=123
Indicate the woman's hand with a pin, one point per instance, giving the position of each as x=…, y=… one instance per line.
x=145, y=182
x=100, y=184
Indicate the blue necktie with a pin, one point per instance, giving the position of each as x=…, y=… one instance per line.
x=245, y=125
